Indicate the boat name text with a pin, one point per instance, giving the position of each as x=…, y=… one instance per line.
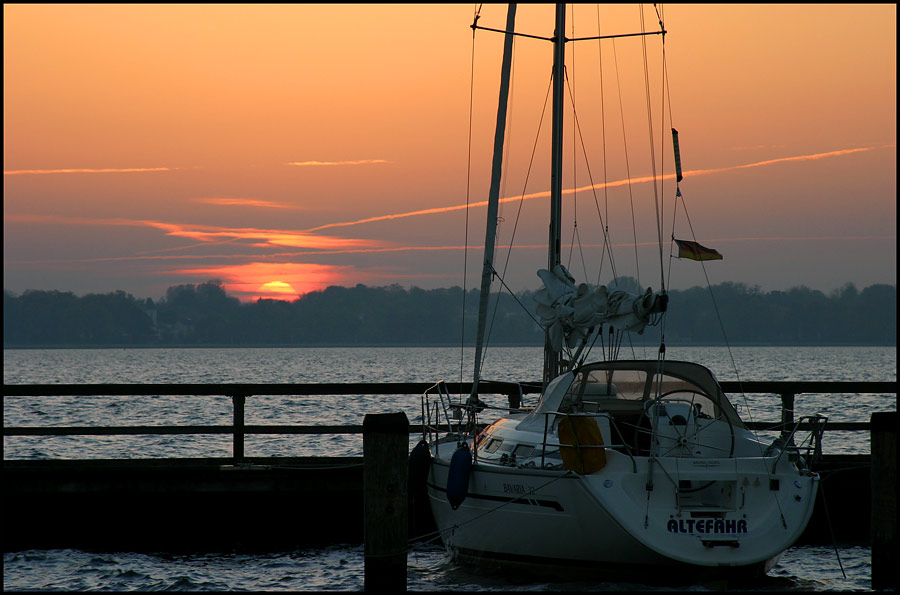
x=708, y=526
x=516, y=488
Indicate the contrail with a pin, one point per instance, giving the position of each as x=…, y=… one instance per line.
x=616, y=183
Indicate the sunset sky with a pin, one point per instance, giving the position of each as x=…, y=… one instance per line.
x=283, y=148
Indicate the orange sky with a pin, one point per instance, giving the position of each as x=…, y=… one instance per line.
x=284, y=148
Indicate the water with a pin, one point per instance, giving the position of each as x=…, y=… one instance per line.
x=341, y=567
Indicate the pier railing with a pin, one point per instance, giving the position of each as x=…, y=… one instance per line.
x=787, y=390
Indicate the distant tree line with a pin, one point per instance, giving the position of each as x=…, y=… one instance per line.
x=203, y=314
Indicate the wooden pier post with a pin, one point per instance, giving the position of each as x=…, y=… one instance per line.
x=386, y=525
x=884, y=501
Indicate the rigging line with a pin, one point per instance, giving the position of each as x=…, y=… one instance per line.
x=664, y=96
x=589, y=348
x=672, y=240
x=503, y=178
x=528, y=175
x=721, y=324
x=667, y=93
x=497, y=307
x=600, y=334
x=603, y=145
x=587, y=163
x=575, y=236
x=509, y=126
x=666, y=70
x=491, y=222
x=462, y=341
x=567, y=474
x=627, y=166
x=662, y=166
x=831, y=530
x=652, y=148
x=500, y=276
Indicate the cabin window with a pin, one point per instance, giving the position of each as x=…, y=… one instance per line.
x=523, y=450
x=493, y=444
x=615, y=384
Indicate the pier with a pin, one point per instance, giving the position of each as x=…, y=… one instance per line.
x=278, y=503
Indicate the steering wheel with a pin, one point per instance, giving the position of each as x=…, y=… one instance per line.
x=644, y=426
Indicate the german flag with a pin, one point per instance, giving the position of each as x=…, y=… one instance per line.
x=695, y=251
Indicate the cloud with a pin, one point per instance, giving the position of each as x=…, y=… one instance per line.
x=20, y=172
x=259, y=237
x=318, y=163
x=245, y=202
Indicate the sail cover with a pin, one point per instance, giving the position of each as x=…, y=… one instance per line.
x=569, y=312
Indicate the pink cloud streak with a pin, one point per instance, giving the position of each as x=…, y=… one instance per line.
x=211, y=234
x=245, y=202
x=19, y=172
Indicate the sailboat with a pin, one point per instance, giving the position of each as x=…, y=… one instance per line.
x=620, y=463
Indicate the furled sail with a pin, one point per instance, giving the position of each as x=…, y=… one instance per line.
x=569, y=312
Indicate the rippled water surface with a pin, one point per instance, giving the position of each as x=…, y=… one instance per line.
x=341, y=567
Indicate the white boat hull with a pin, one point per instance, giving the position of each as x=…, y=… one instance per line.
x=609, y=517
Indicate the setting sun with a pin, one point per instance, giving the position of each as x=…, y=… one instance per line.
x=277, y=287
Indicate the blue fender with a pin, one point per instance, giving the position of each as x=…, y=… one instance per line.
x=458, y=476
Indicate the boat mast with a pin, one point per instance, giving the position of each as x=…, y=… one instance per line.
x=490, y=233
x=551, y=357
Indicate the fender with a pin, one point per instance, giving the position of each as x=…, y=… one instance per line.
x=458, y=476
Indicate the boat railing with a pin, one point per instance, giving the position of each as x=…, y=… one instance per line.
x=810, y=448
x=442, y=403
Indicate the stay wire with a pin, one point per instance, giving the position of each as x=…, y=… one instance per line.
x=679, y=194
x=831, y=530
x=501, y=275
x=572, y=243
x=468, y=198
x=503, y=177
x=607, y=246
x=603, y=146
x=652, y=149
x=627, y=164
